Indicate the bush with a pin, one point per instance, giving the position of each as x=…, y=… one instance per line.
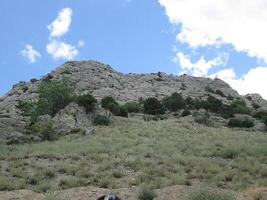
x=27, y=107
x=186, y=112
x=153, y=106
x=210, y=195
x=260, y=115
x=239, y=106
x=146, y=194
x=101, y=120
x=174, y=102
x=45, y=131
x=264, y=120
x=133, y=107
x=108, y=103
x=230, y=153
x=213, y=104
x=201, y=117
x=119, y=110
x=242, y=123
x=87, y=101
x=209, y=89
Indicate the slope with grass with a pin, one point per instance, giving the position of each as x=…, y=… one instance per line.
x=133, y=152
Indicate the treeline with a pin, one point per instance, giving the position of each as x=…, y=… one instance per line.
x=55, y=95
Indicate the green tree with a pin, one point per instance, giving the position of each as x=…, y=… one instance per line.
x=87, y=101
x=153, y=106
x=174, y=102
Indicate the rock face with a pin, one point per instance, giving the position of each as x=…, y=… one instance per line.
x=102, y=80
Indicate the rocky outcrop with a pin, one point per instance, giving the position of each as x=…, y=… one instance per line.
x=102, y=80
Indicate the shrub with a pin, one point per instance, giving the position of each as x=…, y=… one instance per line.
x=264, y=120
x=119, y=110
x=174, y=102
x=239, y=106
x=153, y=106
x=45, y=131
x=133, y=107
x=260, y=115
x=186, y=112
x=230, y=153
x=209, y=89
x=201, y=117
x=242, y=123
x=101, y=120
x=108, y=103
x=27, y=107
x=146, y=194
x=210, y=195
x=87, y=101
x=213, y=104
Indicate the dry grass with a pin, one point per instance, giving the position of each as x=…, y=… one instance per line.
x=134, y=152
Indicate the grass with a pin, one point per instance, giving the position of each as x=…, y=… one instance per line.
x=133, y=152
x=210, y=195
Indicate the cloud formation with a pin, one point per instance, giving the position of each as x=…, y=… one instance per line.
x=61, y=50
x=61, y=24
x=30, y=53
x=241, y=23
x=254, y=81
x=200, y=67
x=58, y=28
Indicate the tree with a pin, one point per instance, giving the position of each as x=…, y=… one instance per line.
x=153, y=106
x=87, y=101
x=174, y=102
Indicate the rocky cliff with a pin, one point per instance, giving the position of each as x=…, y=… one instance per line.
x=102, y=80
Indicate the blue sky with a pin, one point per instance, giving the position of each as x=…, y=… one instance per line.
x=132, y=36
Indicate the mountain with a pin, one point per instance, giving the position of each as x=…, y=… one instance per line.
x=102, y=80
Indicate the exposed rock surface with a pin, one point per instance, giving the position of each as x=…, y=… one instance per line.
x=102, y=80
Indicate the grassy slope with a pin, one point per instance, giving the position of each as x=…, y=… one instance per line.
x=135, y=152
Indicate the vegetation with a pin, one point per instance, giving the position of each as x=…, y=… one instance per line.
x=146, y=194
x=109, y=103
x=87, y=101
x=239, y=106
x=153, y=106
x=242, y=123
x=186, y=112
x=45, y=131
x=101, y=120
x=142, y=152
x=174, y=102
x=202, y=117
x=210, y=195
x=133, y=107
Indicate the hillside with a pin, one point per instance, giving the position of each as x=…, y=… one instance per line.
x=102, y=80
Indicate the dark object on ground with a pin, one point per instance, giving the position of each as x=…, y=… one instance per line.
x=109, y=197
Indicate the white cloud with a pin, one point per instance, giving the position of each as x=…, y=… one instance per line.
x=254, y=81
x=61, y=50
x=81, y=43
x=241, y=23
x=200, y=67
x=30, y=53
x=61, y=24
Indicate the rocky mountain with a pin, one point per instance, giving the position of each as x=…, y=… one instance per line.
x=102, y=80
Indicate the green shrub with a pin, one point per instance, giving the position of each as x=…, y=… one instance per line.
x=45, y=131
x=146, y=194
x=239, y=106
x=210, y=195
x=119, y=110
x=264, y=120
x=213, y=104
x=209, y=89
x=27, y=107
x=242, y=123
x=108, y=103
x=87, y=101
x=260, y=114
x=174, y=102
x=201, y=117
x=153, y=106
x=230, y=153
x=186, y=112
x=101, y=120
x=133, y=107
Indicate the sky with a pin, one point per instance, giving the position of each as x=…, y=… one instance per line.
x=222, y=38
